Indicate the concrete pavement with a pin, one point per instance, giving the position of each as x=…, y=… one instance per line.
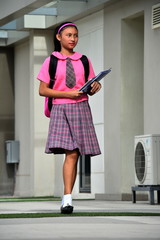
x=79, y=206
x=78, y=228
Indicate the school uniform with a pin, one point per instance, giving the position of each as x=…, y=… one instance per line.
x=71, y=125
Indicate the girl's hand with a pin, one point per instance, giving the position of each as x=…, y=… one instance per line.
x=96, y=86
x=73, y=94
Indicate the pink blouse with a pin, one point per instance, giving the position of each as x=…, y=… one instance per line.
x=60, y=76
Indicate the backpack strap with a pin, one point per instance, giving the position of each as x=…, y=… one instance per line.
x=52, y=72
x=52, y=69
x=85, y=62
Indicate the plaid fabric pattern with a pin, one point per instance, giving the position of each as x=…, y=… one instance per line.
x=70, y=74
x=71, y=127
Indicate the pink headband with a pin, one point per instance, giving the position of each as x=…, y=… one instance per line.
x=64, y=25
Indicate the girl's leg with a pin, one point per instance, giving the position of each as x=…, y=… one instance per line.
x=70, y=170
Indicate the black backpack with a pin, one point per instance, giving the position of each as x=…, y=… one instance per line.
x=52, y=72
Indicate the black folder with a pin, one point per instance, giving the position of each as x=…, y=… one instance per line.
x=87, y=86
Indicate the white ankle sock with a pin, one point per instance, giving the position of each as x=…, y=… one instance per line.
x=67, y=200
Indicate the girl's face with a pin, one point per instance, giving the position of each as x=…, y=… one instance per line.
x=68, y=38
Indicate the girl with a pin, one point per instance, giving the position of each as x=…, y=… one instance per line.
x=71, y=129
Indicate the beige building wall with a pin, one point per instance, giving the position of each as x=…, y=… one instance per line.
x=131, y=94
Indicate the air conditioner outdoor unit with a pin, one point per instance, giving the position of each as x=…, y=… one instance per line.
x=147, y=159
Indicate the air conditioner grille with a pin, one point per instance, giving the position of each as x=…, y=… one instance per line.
x=156, y=16
x=140, y=162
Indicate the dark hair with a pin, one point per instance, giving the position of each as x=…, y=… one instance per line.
x=57, y=45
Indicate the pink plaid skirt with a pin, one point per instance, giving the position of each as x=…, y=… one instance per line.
x=71, y=127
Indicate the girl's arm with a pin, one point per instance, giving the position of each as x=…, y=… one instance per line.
x=45, y=91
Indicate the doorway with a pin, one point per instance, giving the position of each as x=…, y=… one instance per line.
x=85, y=174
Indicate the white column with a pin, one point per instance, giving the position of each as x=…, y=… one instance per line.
x=35, y=173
